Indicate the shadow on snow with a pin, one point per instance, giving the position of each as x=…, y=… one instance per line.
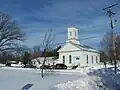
x=109, y=80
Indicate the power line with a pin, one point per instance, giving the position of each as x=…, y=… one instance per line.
x=92, y=37
x=88, y=29
x=109, y=7
x=83, y=39
x=88, y=38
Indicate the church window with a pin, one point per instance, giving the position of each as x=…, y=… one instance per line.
x=70, y=59
x=70, y=33
x=87, y=59
x=96, y=59
x=63, y=59
x=77, y=58
x=75, y=33
x=92, y=59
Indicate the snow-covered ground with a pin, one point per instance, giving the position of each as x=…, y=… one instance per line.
x=96, y=78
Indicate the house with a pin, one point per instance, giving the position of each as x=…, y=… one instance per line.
x=73, y=53
x=39, y=61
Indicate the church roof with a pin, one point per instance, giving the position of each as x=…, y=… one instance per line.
x=84, y=47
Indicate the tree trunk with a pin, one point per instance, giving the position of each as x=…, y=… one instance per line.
x=42, y=74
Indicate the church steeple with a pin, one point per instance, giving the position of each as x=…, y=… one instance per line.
x=73, y=35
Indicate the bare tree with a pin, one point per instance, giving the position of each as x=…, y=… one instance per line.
x=10, y=33
x=47, y=46
x=19, y=51
x=106, y=46
x=117, y=45
x=36, y=51
x=36, y=48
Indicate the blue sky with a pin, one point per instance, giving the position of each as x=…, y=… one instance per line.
x=35, y=17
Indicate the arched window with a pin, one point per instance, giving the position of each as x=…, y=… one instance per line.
x=70, y=59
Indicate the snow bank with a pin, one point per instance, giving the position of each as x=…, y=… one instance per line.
x=81, y=84
x=85, y=82
x=95, y=78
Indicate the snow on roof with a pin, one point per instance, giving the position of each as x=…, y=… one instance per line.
x=85, y=47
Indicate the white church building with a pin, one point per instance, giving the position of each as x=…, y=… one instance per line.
x=73, y=53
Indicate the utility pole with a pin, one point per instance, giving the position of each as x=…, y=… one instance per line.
x=110, y=14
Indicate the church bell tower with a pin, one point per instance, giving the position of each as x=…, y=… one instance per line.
x=73, y=35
